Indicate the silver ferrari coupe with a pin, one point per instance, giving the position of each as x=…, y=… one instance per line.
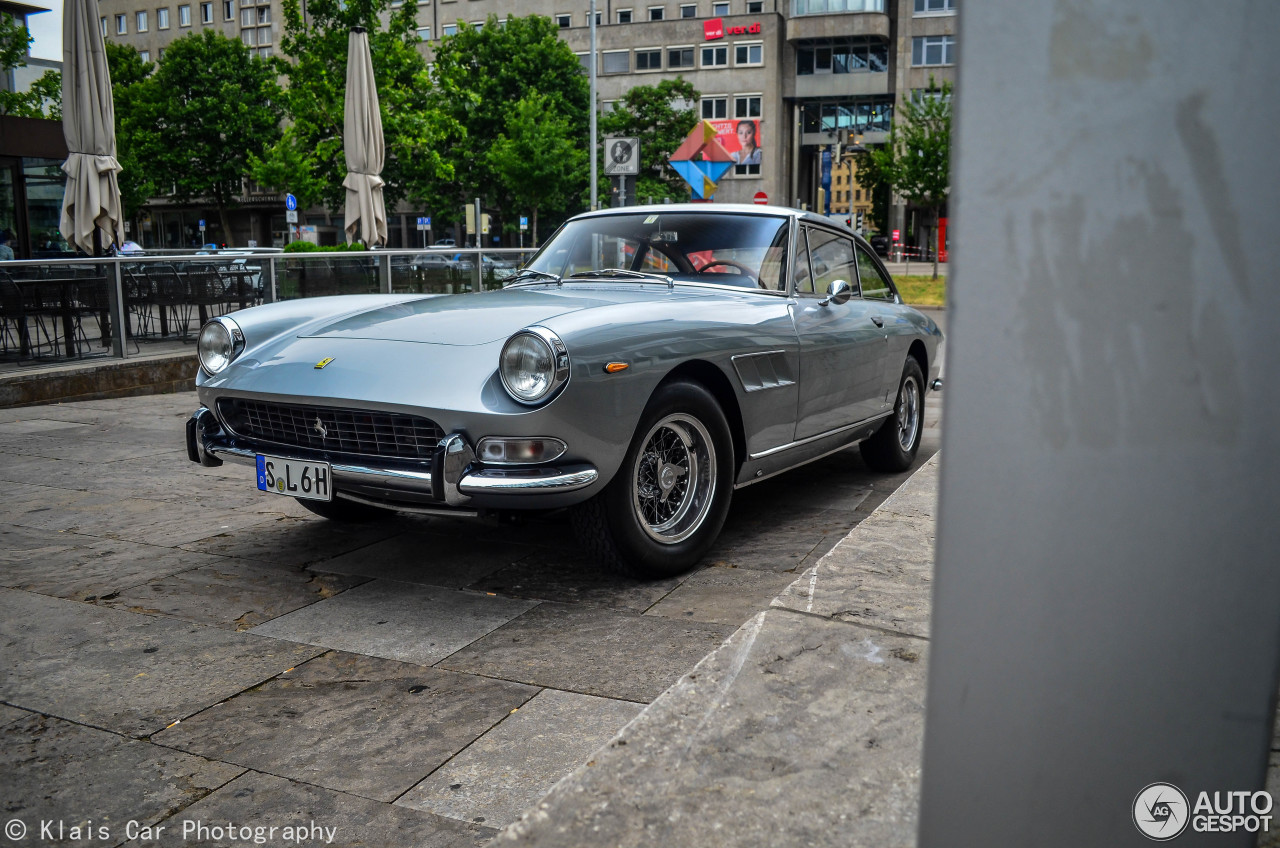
x=643, y=365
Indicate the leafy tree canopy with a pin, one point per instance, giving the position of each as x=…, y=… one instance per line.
x=539, y=157
x=651, y=113
x=308, y=159
x=481, y=75
x=44, y=98
x=209, y=103
x=135, y=131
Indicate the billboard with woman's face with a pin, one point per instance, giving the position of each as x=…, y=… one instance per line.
x=741, y=138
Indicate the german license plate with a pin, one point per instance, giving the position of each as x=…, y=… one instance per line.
x=295, y=478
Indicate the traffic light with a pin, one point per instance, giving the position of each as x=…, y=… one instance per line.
x=471, y=218
x=484, y=223
x=859, y=227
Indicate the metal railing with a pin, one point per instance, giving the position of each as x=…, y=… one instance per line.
x=55, y=311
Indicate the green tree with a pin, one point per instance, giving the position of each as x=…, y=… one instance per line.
x=649, y=112
x=211, y=104
x=135, y=131
x=917, y=156
x=308, y=160
x=876, y=183
x=538, y=157
x=44, y=98
x=480, y=74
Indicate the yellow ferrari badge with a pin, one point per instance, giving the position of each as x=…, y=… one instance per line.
x=322, y=363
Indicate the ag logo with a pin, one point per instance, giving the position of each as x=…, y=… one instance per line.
x=1161, y=811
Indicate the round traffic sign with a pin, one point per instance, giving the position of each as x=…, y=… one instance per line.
x=290, y=202
x=761, y=197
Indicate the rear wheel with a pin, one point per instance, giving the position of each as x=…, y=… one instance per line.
x=341, y=509
x=895, y=444
x=668, y=500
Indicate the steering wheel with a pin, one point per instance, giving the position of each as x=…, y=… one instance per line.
x=734, y=266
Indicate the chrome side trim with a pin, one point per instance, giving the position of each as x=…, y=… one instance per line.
x=458, y=457
x=936, y=385
x=413, y=508
x=415, y=481
x=528, y=481
x=820, y=436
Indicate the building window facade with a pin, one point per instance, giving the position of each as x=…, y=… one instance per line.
x=715, y=57
x=935, y=7
x=755, y=7
x=657, y=13
x=564, y=21
x=746, y=106
x=449, y=29
x=679, y=57
x=689, y=10
x=615, y=62
x=122, y=25
x=206, y=13
x=856, y=114
x=228, y=10
x=184, y=16
x=930, y=50
x=719, y=10
x=144, y=55
x=424, y=33
x=822, y=7
x=624, y=16
x=842, y=56
x=649, y=60
x=748, y=54
x=715, y=108
x=140, y=21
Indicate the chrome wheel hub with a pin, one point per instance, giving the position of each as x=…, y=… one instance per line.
x=673, y=477
x=908, y=413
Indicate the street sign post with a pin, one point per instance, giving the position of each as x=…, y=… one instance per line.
x=621, y=156
x=291, y=216
x=524, y=226
x=291, y=203
x=761, y=198
x=424, y=227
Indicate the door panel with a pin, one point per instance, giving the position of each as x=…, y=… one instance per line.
x=841, y=347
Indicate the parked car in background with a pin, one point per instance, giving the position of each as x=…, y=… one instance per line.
x=643, y=365
x=880, y=244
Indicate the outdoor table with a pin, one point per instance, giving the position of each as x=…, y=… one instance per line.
x=68, y=296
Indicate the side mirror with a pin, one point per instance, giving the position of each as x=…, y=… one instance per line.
x=838, y=292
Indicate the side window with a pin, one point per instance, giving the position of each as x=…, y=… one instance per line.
x=803, y=277
x=874, y=284
x=832, y=258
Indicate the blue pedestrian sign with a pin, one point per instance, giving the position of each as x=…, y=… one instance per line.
x=290, y=202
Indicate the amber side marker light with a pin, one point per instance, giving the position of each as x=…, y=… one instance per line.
x=615, y=367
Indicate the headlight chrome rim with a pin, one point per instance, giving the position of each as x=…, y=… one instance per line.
x=220, y=341
x=555, y=375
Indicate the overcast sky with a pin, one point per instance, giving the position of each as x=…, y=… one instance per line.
x=46, y=28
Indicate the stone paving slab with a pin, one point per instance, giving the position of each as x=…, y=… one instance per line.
x=10, y=714
x=357, y=724
x=721, y=595
x=431, y=559
x=233, y=595
x=85, y=568
x=294, y=542
x=80, y=449
x=41, y=425
x=397, y=621
x=123, y=672
x=592, y=651
x=793, y=730
x=512, y=766
x=568, y=578
x=58, y=772
x=344, y=821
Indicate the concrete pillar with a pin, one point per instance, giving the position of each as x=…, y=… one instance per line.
x=1107, y=601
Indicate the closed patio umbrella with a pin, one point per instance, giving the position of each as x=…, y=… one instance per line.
x=92, y=197
x=362, y=143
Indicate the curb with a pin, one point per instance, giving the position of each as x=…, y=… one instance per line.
x=151, y=375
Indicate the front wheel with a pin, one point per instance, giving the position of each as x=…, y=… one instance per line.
x=668, y=500
x=894, y=446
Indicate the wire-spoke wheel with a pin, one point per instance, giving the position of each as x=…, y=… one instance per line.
x=667, y=502
x=672, y=479
x=893, y=447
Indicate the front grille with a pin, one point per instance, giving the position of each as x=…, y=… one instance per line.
x=351, y=431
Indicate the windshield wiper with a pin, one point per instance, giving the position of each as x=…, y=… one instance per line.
x=547, y=275
x=625, y=272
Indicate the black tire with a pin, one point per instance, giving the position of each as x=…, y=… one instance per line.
x=649, y=521
x=894, y=446
x=348, y=512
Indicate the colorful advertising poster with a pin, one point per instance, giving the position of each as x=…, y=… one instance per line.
x=741, y=138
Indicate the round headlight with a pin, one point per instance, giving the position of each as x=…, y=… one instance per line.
x=533, y=364
x=215, y=347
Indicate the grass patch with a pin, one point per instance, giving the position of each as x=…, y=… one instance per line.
x=922, y=290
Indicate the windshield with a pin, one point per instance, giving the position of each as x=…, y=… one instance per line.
x=702, y=247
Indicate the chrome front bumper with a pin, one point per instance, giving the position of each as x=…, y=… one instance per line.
x=454, y=479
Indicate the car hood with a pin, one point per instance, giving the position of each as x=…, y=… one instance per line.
x=476, y=319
